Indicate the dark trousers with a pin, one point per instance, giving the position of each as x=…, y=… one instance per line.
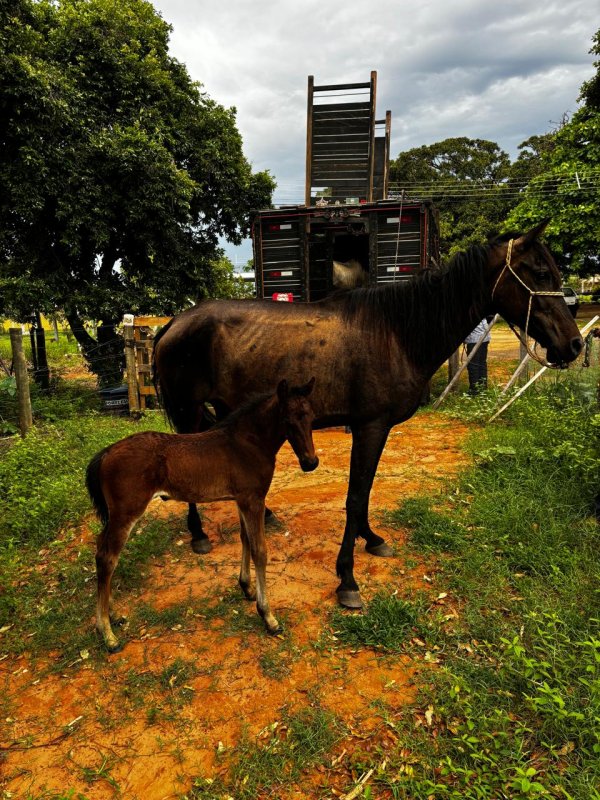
x=477, y=368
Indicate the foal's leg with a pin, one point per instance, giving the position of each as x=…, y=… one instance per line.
x=253, y=514
x=245, y=579
x=110, y=543
x=367, y=445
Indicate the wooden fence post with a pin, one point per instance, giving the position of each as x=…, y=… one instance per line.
x=130, y=365
x=22, y=378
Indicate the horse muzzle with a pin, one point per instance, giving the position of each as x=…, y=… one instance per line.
x=563, y=356
x=309, y=464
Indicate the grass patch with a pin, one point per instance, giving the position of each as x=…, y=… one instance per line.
x=430, y=530
x=513, y=710
x=51, y=794
x=388, y=622
x=47, y=584
x=42, y=477
x=277, y=757
x=161, y=694
x=52, y=602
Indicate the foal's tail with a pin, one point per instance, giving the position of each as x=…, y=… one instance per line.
x=93, y=481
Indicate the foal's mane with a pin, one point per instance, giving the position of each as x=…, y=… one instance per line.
x=408, y=307
x=248, y=406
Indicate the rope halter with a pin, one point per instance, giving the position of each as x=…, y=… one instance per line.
x=524, y=341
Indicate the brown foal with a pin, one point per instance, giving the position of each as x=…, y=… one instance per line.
x=233, y=461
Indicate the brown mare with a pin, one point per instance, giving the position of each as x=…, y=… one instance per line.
x=233, y=461
x=372, y=352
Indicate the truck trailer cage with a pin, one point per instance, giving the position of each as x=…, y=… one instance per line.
x=347, y=213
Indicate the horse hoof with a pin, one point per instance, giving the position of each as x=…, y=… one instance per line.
x=115, y=648
x=201, y=546
x=382, y=550
x=275, y=631
x=271, y=521
x=349, y=598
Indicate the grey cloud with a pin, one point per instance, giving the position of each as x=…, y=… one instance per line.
x=461, y=68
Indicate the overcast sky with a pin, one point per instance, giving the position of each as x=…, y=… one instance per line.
x=501, y=71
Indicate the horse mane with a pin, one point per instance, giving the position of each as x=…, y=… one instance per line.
x=440, y=293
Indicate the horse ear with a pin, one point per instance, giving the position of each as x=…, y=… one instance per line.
x=525, y=241
x=309, y=387
x=282, y=390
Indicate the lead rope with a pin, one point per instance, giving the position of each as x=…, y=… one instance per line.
x=524, y=341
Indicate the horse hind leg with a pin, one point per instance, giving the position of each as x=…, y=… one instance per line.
x=245, y=579
x=200, y=543
x=110, y=543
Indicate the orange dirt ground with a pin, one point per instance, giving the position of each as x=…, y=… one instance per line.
x=81, y=729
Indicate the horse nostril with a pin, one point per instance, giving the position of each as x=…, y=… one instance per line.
x=576, y=345
x=309, y=464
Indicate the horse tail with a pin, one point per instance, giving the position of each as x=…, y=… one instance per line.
x=93, y=481
x=179, y=366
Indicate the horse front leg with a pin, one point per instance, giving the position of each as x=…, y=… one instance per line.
x=200, y=543
x=368, y=441
x=253, y=516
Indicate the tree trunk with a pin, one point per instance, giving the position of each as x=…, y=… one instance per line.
x=33, y=343
x=104, y=355
x=42, y=371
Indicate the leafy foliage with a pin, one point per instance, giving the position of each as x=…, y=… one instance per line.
x=118, y=173
x=566, y=188
x=465, y=177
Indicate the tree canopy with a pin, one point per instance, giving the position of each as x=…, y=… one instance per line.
x=466, y=178
x=118, y=173
x=480, y=192
x=566, y=187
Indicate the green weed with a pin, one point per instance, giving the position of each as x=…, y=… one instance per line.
x=513, y=710
x=276, y=758
x=51, y=608
x=388, y=622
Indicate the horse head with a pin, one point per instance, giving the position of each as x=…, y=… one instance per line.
x=526, y=292
x=297, y=416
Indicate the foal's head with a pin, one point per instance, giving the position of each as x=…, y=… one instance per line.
x=297, y=416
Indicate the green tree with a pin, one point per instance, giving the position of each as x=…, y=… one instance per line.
x=118, y=174
x=566, y=187
x=466, y=178
x=529, y=161
x=228, y=283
